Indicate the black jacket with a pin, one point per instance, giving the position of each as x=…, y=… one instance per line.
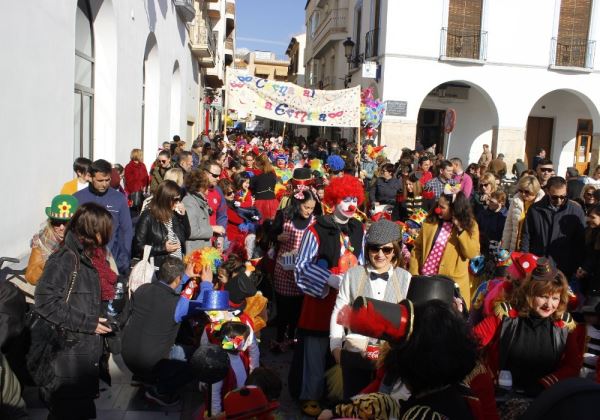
x=77, y=365
x=149, y=231
x=555, y=234
x=151, y=329
x=385, y=191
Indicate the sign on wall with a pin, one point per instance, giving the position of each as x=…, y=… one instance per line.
x=287, y=102
x=369, y=70
x=396, y=108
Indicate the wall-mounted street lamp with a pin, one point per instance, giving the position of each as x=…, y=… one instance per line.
x=352, y=58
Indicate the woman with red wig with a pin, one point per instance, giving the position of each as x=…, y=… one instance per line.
x=331, y=246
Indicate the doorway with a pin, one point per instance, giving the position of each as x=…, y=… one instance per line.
x=430, y=128
x=583, y=146
x=539, y=135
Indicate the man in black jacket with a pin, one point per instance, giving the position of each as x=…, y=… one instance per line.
x=554, y=228
x=151, y=330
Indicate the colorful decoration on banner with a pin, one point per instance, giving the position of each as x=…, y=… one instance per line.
x=202, y=257
x=282, y=101
x=371, y=109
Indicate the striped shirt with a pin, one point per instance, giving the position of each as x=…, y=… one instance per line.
x=311, y=278
x=173, y=238
x=590, y=356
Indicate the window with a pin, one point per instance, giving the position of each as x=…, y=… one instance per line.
x=572, y=44
x=314, y=22
x=463, y=35
x=357, y=32
x=83, y=116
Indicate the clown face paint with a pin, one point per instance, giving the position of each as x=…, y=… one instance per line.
x=281, y=163
x=346, y=208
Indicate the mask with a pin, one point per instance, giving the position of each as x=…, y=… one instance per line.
x=347, y=207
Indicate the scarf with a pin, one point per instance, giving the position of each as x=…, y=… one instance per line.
x=46, y=240
x=108, y=278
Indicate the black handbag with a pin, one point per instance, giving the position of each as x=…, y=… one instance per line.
x=47, y=340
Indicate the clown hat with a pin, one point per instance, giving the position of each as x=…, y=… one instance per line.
x=523, y=263
x=415, y=220
x=544, y=270
x=62, y=208
x=214, y=300
x=425, y=288
x=246, y=403
x=379, y=319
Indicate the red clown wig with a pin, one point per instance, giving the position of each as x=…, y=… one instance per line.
x=342, y=187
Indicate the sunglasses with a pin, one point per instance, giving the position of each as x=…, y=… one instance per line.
x=229, y=193
x=374, y=249
x=546, y=169
x=557, y=198
x=484, y=185
x=57, y=223
x=525, y=192
x=214, y=175
x=588, y=194
x=163, y=161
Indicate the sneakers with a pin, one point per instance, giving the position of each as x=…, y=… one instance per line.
x=166, y=400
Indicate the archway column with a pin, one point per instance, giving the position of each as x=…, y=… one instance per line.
x=397, y=135
x=595, y=159
x=511, y=142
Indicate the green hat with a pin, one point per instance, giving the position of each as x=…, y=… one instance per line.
x=63, y=207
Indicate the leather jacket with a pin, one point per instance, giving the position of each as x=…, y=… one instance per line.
x=150, y=231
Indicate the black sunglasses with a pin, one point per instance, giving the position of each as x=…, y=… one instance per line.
x=546, y=169
x=163, y=161
x=57, y=223
x=557, y=198
x=214, y=175
x=387, y=250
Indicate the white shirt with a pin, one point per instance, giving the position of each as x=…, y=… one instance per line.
x=336, y=331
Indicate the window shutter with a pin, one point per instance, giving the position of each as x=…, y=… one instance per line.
x=464, y=16
x=573, y=29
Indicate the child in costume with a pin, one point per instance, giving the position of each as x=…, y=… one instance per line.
x=284, y=174
x=232, y=337
x=237, y=278
x=331, y=246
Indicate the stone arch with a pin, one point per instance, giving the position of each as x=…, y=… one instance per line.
x=555, y=122
x=476, y=119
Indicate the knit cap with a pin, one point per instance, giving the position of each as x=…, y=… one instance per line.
x=383, y=232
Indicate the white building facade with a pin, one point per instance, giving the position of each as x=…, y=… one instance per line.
x=93, y=78
x=519, y=74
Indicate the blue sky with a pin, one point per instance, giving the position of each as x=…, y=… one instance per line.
x=268, y=25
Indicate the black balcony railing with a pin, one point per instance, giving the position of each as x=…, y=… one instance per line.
x=463, y=43
x=572, y=52
x=372, y=43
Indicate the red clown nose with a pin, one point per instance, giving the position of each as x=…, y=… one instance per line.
x=437, y=211
x=351, y=208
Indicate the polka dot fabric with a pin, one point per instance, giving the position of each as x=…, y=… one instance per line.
x=432, y=263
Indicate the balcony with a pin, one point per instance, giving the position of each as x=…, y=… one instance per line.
x=372, y=43
x=331, y=28
x=572, y=53
x=228, y=50
x=214, y=10
x=203, y=45
x=230, y=10
x=185, y=9
x=463, y=45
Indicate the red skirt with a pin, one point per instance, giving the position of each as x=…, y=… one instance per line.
x=267, y=208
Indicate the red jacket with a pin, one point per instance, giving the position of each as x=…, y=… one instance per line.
x=136, y=177
x=488, y=332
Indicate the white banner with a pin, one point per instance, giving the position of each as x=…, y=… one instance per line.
x=283, y=101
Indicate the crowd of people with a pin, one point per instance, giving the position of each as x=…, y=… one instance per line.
x=415, y=289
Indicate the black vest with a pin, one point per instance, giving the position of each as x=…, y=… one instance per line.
x=328, y=233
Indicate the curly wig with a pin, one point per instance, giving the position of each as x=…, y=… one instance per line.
x=441, y=351
x=342, y=187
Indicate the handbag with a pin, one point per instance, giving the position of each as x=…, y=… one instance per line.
x=47, y=340
x=142, y=272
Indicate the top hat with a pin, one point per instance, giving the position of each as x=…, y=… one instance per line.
x=426, y=288
x=214, y=300
x=247, y=402
x=523, y=264
x=379, y=319
x=62, y=208
x=544, y=270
